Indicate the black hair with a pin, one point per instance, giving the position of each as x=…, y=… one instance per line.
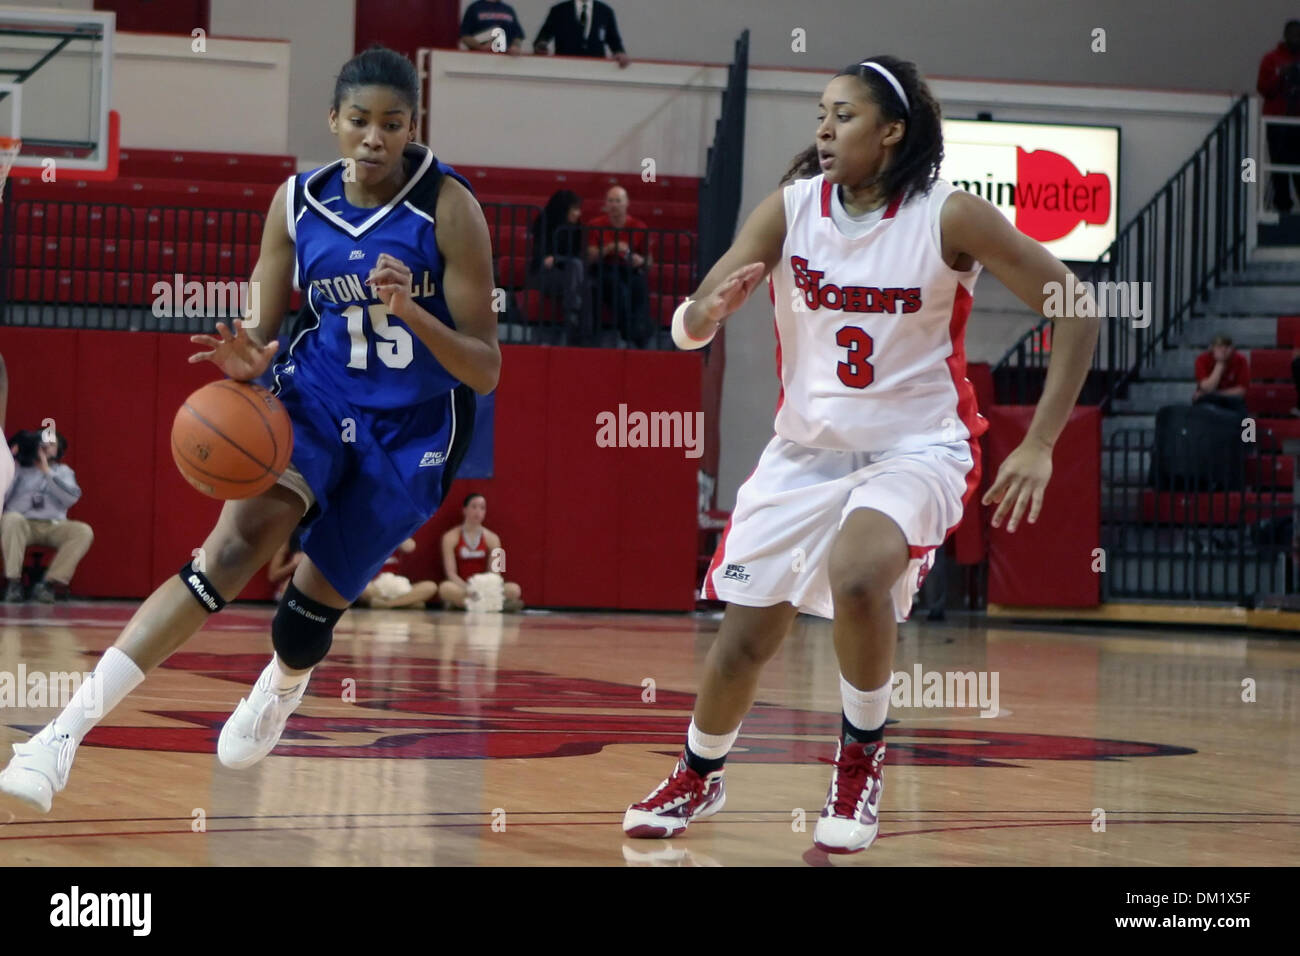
x=554, y=214
x=379, y=66
x=918, y=156
x=29, y=444
x=470, y=497
x=1290, y=24
x=1221, y=339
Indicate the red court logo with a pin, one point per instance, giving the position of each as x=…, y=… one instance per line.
x=413, y=709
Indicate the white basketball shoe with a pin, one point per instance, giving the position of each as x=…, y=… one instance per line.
x=254, y=729
x=39, y=768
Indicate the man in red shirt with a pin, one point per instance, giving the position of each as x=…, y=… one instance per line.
x=1222, y=374
x=1279, y=84
x=619, y=254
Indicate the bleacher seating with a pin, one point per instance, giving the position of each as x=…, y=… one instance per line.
x=201, y=214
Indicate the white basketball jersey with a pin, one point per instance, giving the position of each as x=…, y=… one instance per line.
x=871, y=331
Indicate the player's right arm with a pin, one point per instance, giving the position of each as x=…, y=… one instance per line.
x=754, y=253
x=246, y=354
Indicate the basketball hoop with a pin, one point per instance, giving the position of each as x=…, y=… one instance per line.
x=9, y=149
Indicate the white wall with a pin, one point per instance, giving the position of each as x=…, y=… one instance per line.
x=565, y=113
x=57, y=4
x=1174, y=44
x=322, y=33
x=173, y=98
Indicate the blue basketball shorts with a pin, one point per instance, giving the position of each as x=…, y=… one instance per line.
x=375, y=475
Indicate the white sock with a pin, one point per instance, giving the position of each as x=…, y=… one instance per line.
x=282, y=683
x=709, y=746
x=865, y=709
x=115, y=676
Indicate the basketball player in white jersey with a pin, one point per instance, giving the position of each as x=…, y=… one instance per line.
x=872, y=262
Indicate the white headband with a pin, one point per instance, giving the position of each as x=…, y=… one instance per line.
x=898, y=87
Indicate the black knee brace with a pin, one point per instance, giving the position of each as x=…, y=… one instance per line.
x=303, y=629
x=201, y=588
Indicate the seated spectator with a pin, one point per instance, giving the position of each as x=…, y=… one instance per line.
x=481, y=21
x=581, y=28
x=618, y=256
x=466, y=551
x=279, y=570
x=391, y=590
x=36, y=512
x=1222, y=374
x=555, y=265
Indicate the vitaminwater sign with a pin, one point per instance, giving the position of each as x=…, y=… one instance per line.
x=1057, y=184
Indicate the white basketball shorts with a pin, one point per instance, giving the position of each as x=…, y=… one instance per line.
x=777, y=545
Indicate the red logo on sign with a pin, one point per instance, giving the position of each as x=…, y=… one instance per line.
x=1052, y=196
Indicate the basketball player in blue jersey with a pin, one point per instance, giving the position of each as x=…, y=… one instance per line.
x=392, y=252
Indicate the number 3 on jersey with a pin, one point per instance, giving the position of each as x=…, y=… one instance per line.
x=396, y=350
x=856, y=372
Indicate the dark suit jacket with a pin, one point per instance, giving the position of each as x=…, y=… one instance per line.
x=562, y=25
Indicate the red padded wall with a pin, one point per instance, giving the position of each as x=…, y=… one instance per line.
x=115, y=459
x=582, y=526
x=1049, y=563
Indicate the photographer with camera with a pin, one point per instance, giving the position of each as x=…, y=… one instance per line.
x=1279, y=84
x=36, y=512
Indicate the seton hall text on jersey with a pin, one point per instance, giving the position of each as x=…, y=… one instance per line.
x=851, y=298
x=353, y=288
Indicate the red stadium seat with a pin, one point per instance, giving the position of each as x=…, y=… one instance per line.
x=1211, y=508
x=1270, y=365
x=1270, y=399
x=1271, y=471
x=1288, y=331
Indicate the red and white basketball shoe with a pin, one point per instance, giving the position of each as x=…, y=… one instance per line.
x=848, y=823
x=683, y=797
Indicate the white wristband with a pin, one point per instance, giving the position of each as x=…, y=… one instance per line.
x=683, y=339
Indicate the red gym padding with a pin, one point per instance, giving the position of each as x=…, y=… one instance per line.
x=1049, y=563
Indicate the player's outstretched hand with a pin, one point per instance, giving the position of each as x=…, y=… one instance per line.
x=1020, y=484
x=391, y=280
x=241, y=358
x=734, y=290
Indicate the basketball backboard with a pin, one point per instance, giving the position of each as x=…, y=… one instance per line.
x=56, y=90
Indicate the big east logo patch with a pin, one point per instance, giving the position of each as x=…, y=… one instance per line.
x=424, y=709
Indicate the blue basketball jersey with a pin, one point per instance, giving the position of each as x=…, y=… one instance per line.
x=348, y=344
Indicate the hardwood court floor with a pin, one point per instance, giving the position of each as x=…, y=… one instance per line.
x=490, y=740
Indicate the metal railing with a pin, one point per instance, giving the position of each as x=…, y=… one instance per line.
x=720, y=189
x=1180, y=246
x=1216, y=528
x=620, y=288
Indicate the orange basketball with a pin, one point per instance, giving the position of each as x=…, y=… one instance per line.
x=232, y=439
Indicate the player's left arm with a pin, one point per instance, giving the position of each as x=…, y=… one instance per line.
x=972, y=227
x=470, y=351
